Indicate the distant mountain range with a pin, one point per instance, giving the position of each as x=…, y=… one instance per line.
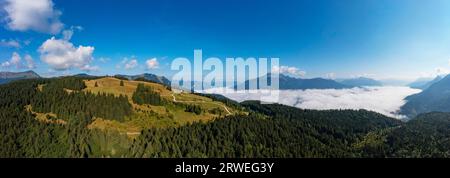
x=285, y=82
x=424, y=83
x=436, y=97
x=149, y=77
x=291, y=83
x=6, y=77
x=394, y=82
x=361, y=81
x=83, y=75
x=65, y=119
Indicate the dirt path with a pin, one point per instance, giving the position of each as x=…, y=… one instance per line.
x=133, y=133
x=174, y=99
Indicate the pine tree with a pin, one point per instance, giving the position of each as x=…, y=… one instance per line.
x=146, y=95
x=96, y=85
x=121, y=83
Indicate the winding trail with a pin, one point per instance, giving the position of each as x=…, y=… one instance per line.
x=175, y=100
x=133, y=133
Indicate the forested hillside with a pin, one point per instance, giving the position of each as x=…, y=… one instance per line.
x=107, y=117
x=428, y=135
x=254, y=136
x=435, y=98
x=64, y=98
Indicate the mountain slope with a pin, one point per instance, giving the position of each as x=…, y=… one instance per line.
x=361, y=81
x=149, y=77
x=426, y=136
x=84, y=75
x=76, y=117
x=424, y=83
x=295, y=132
x=435, y=98
x=291, y=83
x=6, y=77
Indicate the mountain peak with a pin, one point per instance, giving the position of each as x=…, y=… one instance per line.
x=6, y=77
x=426, y=83
x=435, y=97
x=27, y=74
x=150, y=77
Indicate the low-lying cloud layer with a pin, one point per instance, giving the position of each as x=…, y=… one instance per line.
x=385, y=100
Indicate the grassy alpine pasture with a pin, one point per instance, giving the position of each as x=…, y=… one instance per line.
x=110, y=137
x=149, y=116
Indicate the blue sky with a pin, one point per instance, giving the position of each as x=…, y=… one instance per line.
x=402, y=39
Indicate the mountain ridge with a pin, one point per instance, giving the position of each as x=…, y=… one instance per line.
x=146, y=119
x=290, y=83
x=6, y=77
x=360, y=82
x=148, y=76
x=424, y=83
x=435, y=98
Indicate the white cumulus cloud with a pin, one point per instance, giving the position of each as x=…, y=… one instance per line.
x=104, y=59
x=16, y=61
x=330, y=76
x=152, y=63
x=29, y=62
x=89, y=68
x=10, y=43
x=288, y=70
x=68, y=33
x=61, y=54
x=13, y=61
x=128, y=63
x=131, y=64
x=37, y=15
x=384, y=100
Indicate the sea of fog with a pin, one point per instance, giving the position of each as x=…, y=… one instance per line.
x=386, y=100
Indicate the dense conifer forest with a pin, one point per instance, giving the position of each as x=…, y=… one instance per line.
x=64, y=98
x=262, y=131
x=146, y=95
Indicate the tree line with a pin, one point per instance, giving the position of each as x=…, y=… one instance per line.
x=64, y=98
x=267, y=131
x=146, y=95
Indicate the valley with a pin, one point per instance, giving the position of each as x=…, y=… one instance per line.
x=81, y=116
